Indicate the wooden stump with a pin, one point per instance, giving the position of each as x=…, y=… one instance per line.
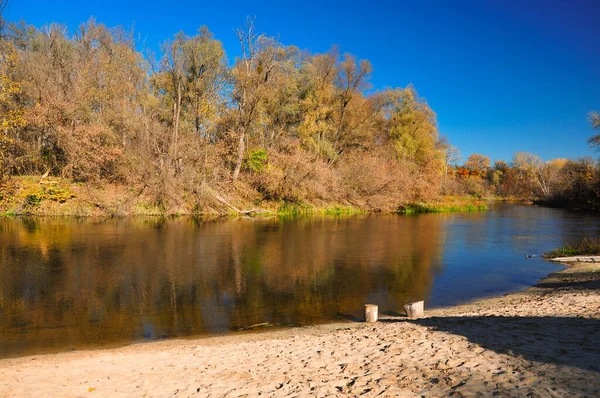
x=415, y=310
x=370, y=313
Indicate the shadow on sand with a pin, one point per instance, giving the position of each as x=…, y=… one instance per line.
x=567, y=341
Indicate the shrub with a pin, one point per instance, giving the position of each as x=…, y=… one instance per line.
x=33, y=199
x=57, y=194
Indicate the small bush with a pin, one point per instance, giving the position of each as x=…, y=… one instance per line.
x=57, y=194
x=33, y=199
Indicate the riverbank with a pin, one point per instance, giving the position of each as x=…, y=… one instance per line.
x=39, y=196
x=540, y=342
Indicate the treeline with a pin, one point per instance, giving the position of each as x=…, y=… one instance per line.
x=186, y=129
x=558, y=182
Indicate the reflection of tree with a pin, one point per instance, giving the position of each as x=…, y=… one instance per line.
x=74, y=283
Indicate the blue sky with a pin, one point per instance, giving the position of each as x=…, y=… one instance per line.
x=502, y=76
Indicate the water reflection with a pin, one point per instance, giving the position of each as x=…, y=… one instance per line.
x=79, y=283
x=67, y=283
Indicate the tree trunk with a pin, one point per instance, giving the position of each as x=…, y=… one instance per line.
x=177, y=113
x=240, y=157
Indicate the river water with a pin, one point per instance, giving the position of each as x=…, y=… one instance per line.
x=69, y=283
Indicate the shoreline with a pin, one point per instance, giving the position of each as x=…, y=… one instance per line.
x=273, y=209
x=542, y=341
x=29, y=197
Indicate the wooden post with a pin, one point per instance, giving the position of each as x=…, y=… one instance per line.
x=414, y=310
x=370, y=313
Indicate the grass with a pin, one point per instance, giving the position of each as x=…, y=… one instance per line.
x=289, y=210
x=582, y=247
x=419, y=208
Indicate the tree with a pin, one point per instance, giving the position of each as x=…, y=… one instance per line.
x=543, y=175
x=317, y=104
x=88, y=106
x=412, y=127
x=190, y=82
x=451, y=153
x=594, y=141
x=501, y=165
x=478, y=164
x=3, y=4
x=253, y=76
x=350, y=83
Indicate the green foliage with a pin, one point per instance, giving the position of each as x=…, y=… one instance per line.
x=290, y=209
x=583, y=247
x=57, y=194
x=412, y=127
x=321, y=147
x=257, y=160
x=33, y=199
x=294, y=209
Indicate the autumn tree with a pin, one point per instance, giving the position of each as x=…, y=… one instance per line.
x=350, y=83
x=412, y=128
x=451, y=154
x=253, y=80
x=190, y=81
x=317, y=101
x=478, y=164
x=283, y=124
x=501, y=165
x=544, y=176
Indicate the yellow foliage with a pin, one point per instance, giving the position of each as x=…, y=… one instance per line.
x=10, y=116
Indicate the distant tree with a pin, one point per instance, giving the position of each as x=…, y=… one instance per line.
x=451, y=154
x=542, y=175
x=594, y=141
x=478, y=164
x=501, y=165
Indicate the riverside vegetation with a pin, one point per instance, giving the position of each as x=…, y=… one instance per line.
x=589, y=246
x=108, y=128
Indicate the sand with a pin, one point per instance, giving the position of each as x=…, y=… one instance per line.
x=544, y=342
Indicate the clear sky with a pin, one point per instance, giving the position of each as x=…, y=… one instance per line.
x=502, y=75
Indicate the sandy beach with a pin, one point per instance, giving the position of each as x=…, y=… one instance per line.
x=543, y=342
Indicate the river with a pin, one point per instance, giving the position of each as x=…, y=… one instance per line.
x=80, y=283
